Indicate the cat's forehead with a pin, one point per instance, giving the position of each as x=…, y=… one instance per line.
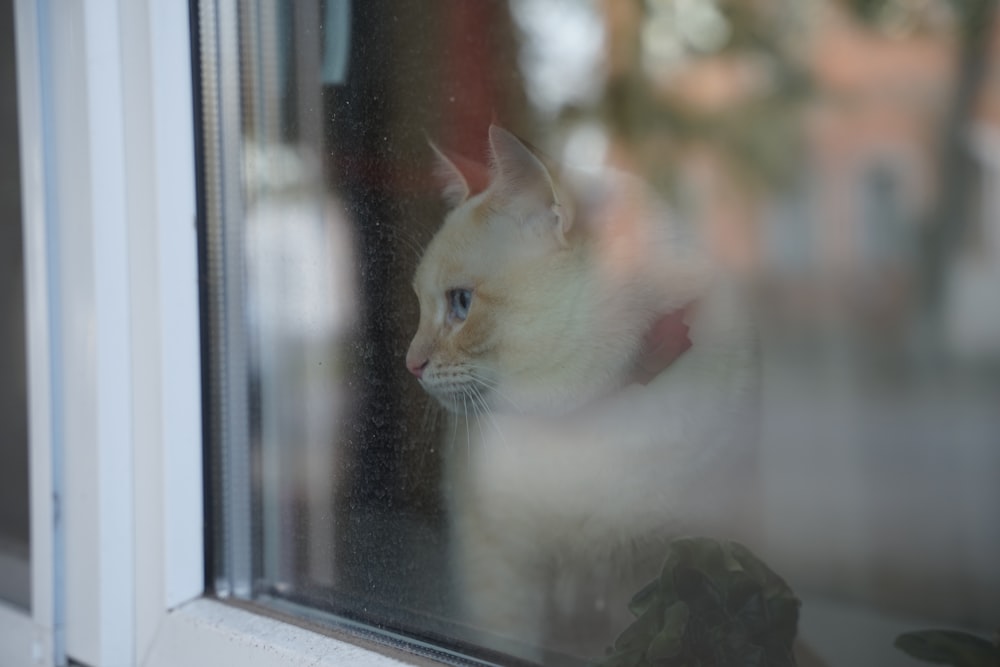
x=465, y=248
x=448, y=259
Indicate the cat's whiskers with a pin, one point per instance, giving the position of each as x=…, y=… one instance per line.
x=454, y=430
x=489, y=415
x=492, y=385
x=468, y=436
x=481, y=375
x=477, y=407
x=429, y=407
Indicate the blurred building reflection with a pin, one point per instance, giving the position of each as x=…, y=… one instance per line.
x=817, y=144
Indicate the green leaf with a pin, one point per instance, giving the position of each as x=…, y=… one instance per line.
x=669, y=641
x=641, y=632
x=644, y=599
x=747, y=602
x=713, y=604
x=949, y=647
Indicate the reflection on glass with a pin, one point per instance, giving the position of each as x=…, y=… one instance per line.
x=535, y=287
x=14, y=528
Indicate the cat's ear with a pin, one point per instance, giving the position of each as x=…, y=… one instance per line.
x=460, y=178
x=524, y=183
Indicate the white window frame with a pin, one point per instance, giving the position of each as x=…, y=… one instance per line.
x=108, y=166
x=114, y=374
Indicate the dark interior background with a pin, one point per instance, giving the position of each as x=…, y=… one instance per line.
x=14, y=526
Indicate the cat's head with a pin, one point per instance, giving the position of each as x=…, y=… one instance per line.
x=505, y=312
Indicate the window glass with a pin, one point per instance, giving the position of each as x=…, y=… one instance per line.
x=14, y=528
x=502, y=297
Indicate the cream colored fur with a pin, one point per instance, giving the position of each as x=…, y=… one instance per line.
x=572, y=478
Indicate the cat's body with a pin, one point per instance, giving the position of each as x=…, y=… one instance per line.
x=574, y=476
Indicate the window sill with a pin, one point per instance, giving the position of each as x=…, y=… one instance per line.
x=22, y=641
x=207, y=633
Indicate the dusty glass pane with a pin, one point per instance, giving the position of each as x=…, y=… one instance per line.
x=534, y=287
x=15, y=582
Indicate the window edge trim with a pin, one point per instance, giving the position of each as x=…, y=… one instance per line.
x=205, y=631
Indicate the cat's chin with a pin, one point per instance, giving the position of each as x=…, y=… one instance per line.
x=456, y=405
x=461, y=400
x=526, y=404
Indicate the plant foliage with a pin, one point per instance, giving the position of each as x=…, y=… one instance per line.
x=714, y=603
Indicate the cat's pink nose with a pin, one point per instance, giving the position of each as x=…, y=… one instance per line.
x=417, y=365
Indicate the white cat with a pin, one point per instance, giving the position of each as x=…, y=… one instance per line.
x=551, y=310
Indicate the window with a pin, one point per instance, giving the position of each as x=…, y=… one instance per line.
x=717, y=268
x=337, y=481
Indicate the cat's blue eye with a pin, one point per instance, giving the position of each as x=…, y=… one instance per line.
x=459, y=301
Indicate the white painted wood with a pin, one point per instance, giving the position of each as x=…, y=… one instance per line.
x=206, y=633
x=147, y=334
x=113, y=448
x=22, y=642
x=177, y=262
x=87, y=214
x=163, y=272
x=73, y=327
